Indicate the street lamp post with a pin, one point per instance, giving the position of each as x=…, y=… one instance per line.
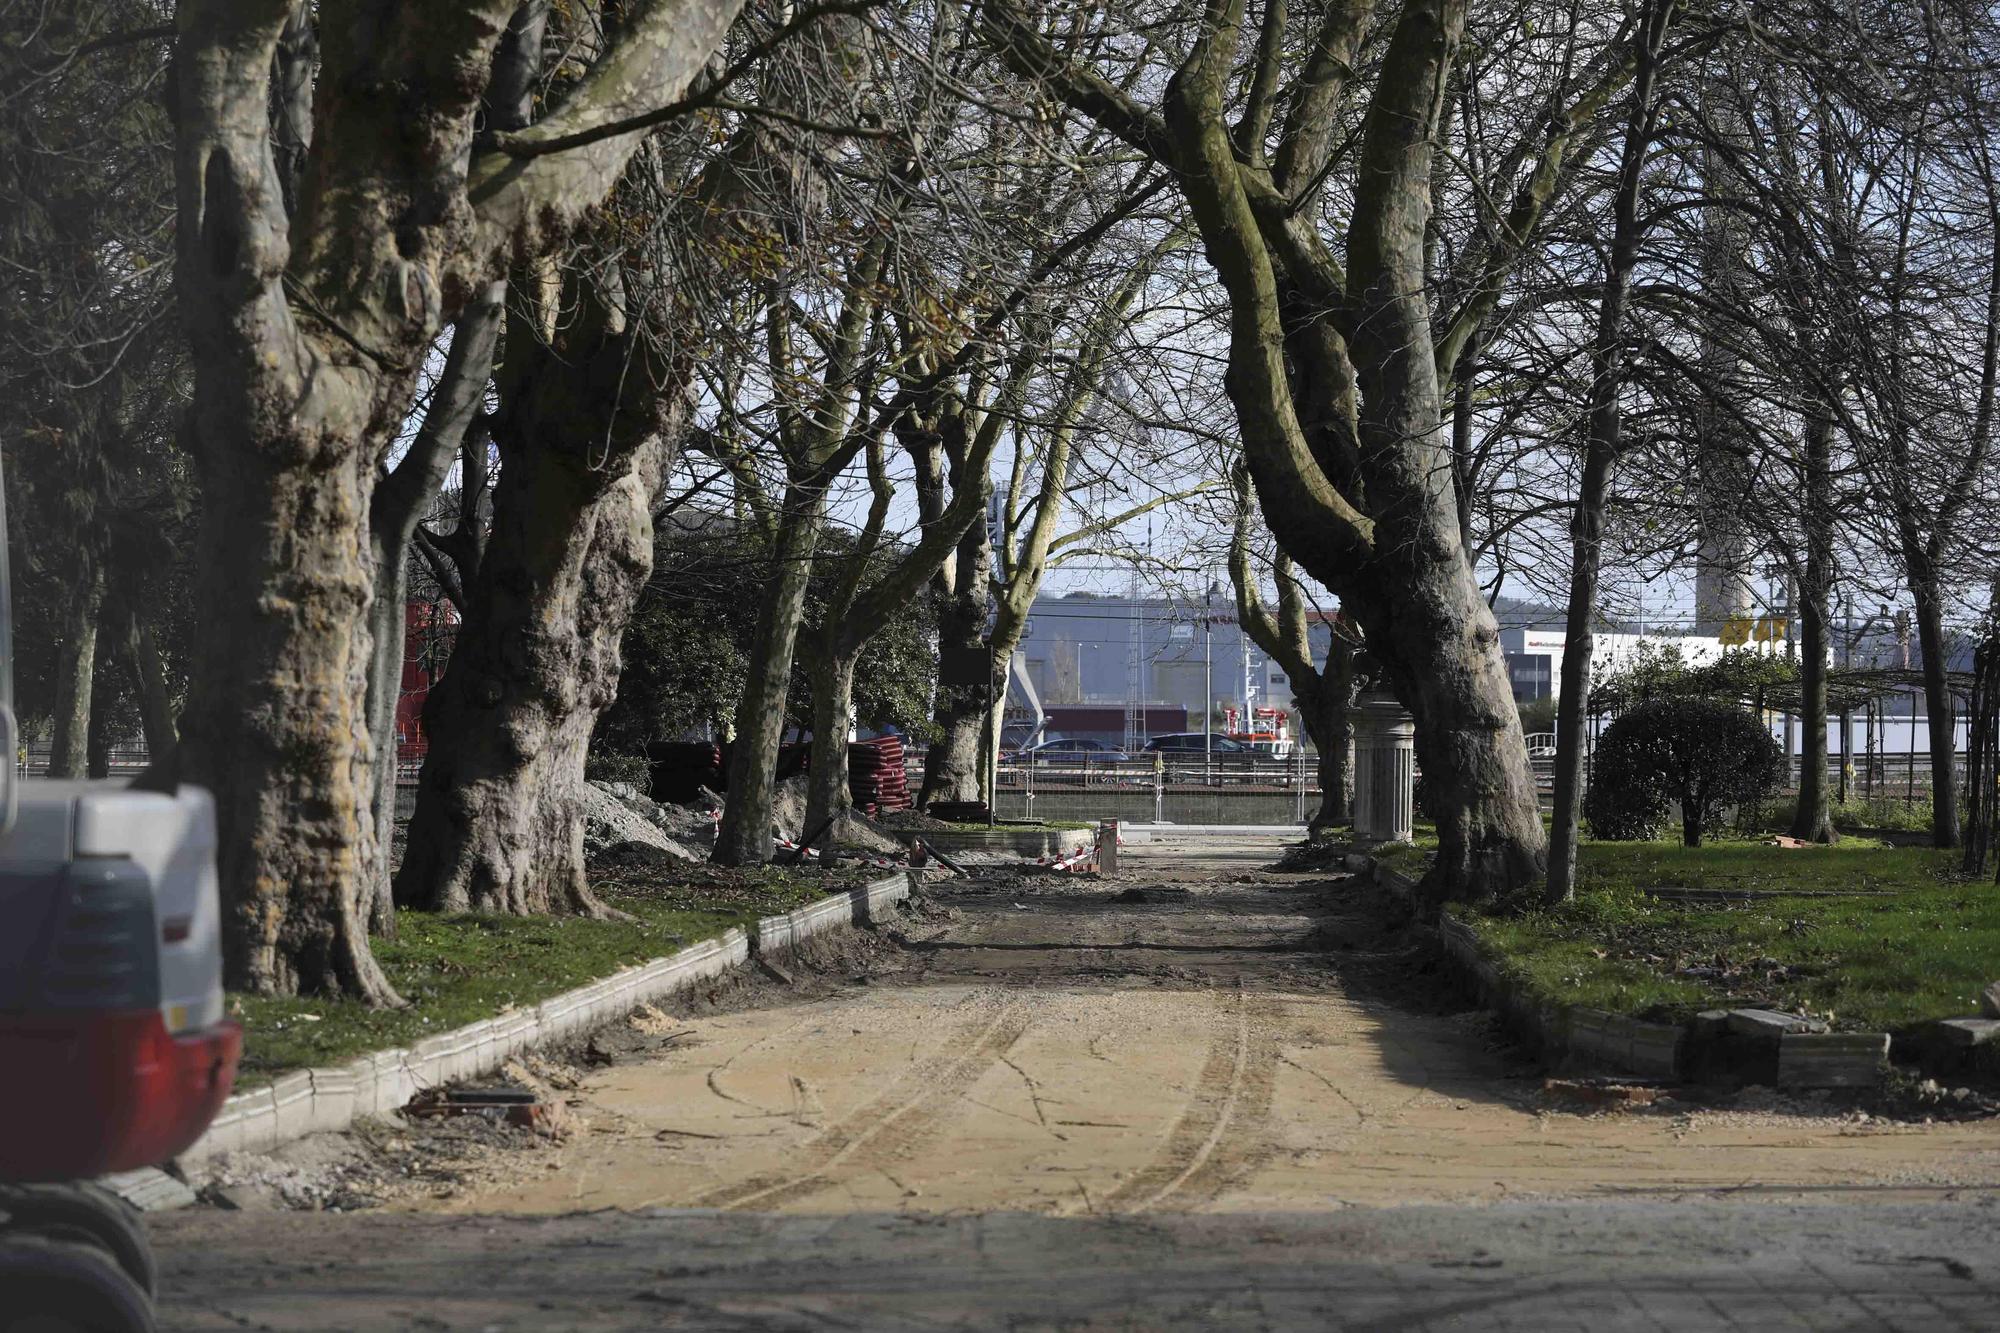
x=1208, y=687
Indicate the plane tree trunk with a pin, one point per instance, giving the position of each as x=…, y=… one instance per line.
x=868, y=598
x=399, y=505
x=1321, y=695
x=1330, y=723
x=828, y=801
x=76, y=668
x=407, y=492
x=955, y=766
x=743, y=837
x=149, y=685
x=582, y=441
x=1336, y=375
x=307, y=329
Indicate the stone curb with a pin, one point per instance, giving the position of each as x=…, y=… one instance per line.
x=1012, y=841
x=314, y=1101
x=1707, y=1047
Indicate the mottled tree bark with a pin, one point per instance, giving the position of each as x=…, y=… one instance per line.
x=450, y=421
x=1400, y=568
x=399, y=505
x=743, y=837
x=1335, y=373
x=828, y=800
x=1322, y=696
x=1331, y=704
x=149, y=684
x=76, y=667
x=954, y=766
x=863, y=605
x=307, y=329
x=499, y=821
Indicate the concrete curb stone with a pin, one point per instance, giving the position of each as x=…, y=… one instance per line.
x=1832, y=1059
x=1718, y=1043
x=319, y=1100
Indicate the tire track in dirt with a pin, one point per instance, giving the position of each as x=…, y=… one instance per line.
x=890, y=1125
x=1217, y=1140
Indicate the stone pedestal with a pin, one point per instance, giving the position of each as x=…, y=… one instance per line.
x=1385, y=771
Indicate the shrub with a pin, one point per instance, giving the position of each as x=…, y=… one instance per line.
x=612, y=767
x=1705, y=754
x=1537, y=714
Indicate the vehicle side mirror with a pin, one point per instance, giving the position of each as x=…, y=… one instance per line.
x=9, y=745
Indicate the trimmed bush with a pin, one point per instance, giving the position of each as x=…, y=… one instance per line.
x=1703, y=753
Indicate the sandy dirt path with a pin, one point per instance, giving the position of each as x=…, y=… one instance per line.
x=1198, y=1034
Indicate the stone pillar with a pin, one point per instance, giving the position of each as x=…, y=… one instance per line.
x=1385, y=771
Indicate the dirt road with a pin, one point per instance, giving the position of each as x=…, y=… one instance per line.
x=1200, y=1095
x=1199, y=1034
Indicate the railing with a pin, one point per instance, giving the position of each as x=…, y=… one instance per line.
x=1232, y=780
x=126, y=758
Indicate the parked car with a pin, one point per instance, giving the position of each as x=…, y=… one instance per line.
x=1073, y=751
x=1187, y=743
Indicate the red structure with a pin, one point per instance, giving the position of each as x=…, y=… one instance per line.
x=428, y=631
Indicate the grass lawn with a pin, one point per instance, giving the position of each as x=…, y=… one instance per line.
x=458, y=969
x=1914, y=942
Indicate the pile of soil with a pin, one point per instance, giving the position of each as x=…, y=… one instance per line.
x=910, y=821
x=1302, y=856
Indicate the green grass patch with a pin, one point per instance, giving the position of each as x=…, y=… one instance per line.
x=1891, y=814
x=1410, y=858
x=1910, y=941
x=457, y=969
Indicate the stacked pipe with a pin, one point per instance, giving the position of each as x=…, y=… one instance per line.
x=876, y=780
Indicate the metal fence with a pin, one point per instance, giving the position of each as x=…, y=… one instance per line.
x=127, y=759
x=1181, y=788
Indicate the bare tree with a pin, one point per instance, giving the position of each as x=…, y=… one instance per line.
x=1339, y=372
x=1325, y=694
x=308, y=325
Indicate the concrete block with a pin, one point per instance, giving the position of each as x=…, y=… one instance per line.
x=874, y=900
x=1832, y=1059
x=1598, y=1038
x=1965, y=1033
x=513, y=1033
x=395, y=1080
x=1656, y=1048
x=332, y=1098
x=1768, y=1023
x=291, y=1107
x=148, y=1189
x=255, y=1121
x=366, y=1085
x=1450, y=928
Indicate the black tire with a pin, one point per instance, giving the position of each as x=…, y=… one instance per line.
x=81, y=1210
x=57, y=1286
